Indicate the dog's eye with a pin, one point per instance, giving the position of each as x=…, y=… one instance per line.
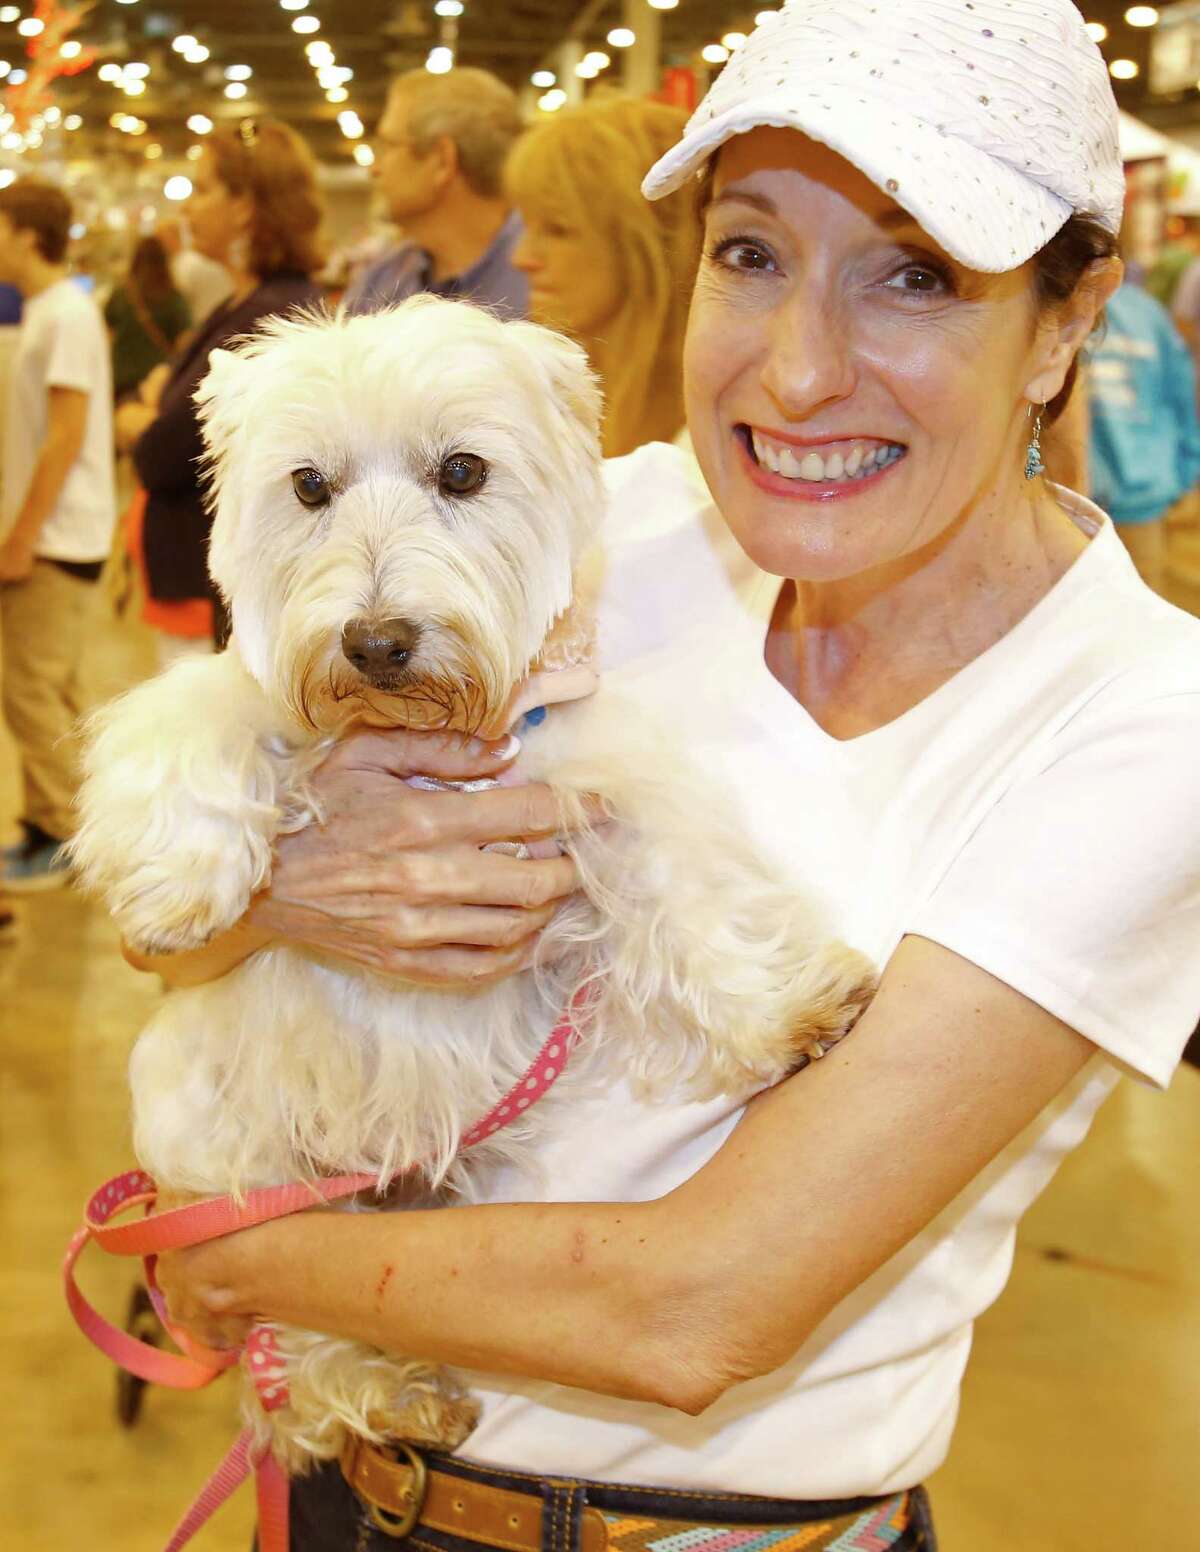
x=312, y=487
x=461, y=473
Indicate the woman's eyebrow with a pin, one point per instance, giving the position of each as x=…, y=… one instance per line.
x=732, y=196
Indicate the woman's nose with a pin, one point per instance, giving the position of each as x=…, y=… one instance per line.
x=810, y=357
x=524, y=256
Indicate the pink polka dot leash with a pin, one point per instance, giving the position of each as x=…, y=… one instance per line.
x=194, y=1224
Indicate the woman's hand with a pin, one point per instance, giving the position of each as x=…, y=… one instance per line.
x=197, y=1284
x=130, y=421
x=395, y=878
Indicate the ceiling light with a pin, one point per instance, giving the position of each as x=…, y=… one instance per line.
x=136, y=72
x=622, y=37
x=72, y=121
x=734, y=40
x=154, y=151
x=197, y=55
x=319, y=53
x=714, y=53
x=293, y=5
x=552, y=101
x=133, y=88
x=763, y=17
x=7, y=176
x=126, y=2
x=306, y=24
x=586, y=72
x=177, y=187
x=440, y=60
x=31, y=26
x=15, y=77
x=236, y=89
x=1097, y=31
x=662, y=5
x=199, y=124
x=12, y=141
x=1123, y=69
x=350, y=124
x=598, y=59
x=9, y=13
x=543, y=78
x=448, y=8
x=194, y=153
x=336, y=94
x=184, y=43
x=5, y=67
x=116, y=120
x=71, y=49
x=52, y=114
x=238, y=72
x=364, y=156
x=109, y=72
x=1142, y=16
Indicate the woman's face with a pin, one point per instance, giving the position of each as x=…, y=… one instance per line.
x=216, y=217
x=851, y=390
x=574, y=279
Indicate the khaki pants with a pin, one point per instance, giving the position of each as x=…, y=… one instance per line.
x=46, y=623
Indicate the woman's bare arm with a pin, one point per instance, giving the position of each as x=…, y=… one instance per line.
x=673, y=1301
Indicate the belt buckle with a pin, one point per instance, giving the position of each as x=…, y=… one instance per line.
x=399, y=1525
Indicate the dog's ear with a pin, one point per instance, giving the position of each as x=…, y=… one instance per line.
x=219, y=397
x=563, y=365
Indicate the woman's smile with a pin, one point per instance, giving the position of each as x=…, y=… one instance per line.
x=813, y=470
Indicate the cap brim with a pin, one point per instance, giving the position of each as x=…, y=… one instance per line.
x=980, y=210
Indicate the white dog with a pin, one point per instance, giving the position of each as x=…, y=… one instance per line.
x=402, y=506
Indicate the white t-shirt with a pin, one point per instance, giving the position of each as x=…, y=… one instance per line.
x=63, y=344
x=1037, y=815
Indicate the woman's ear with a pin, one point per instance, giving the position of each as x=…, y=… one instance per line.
x=1065, y=330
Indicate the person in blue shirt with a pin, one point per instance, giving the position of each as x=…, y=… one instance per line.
x=440, y=151
x=1145, y=434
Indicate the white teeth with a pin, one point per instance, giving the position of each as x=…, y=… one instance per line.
x=832, y=469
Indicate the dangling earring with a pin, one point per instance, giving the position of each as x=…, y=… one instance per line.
x=1033, y=456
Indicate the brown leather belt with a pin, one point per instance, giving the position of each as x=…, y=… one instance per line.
x=401, y=1490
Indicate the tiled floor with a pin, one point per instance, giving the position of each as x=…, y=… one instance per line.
x=1081, y=1418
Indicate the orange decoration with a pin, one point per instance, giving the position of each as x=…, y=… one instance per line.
x=35, y=93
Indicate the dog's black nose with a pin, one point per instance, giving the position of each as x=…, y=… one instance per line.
x=378, y=648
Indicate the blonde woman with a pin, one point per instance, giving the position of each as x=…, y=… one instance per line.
x=604, y=265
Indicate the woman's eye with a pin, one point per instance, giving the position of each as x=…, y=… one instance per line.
x=919, y=278
x=461, y=473
x=312, y=488
x=743, y=253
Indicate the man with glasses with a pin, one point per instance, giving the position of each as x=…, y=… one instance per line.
x=440, y=151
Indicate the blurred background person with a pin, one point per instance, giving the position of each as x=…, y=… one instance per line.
x=1145, y=437
x=202, y=282
x=605, y=265
x=59, y=510
x=440, y=150
x=146, y=315
x=256, y=210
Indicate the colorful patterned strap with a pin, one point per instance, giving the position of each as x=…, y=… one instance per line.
x=871, y=1530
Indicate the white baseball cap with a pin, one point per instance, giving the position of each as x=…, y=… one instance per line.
x=990, y=121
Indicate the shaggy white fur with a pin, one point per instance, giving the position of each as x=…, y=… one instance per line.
x=708, y=971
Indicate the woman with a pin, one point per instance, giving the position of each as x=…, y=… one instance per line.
x=604, y=266
x=932, y=683
x=255, y=209
x=146, y=317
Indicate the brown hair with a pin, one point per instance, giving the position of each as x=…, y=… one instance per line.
x=585, y=167
x=41, y=208
x=1058, y=269
x=149, y=271
x=473, y=108
x=267, y=162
